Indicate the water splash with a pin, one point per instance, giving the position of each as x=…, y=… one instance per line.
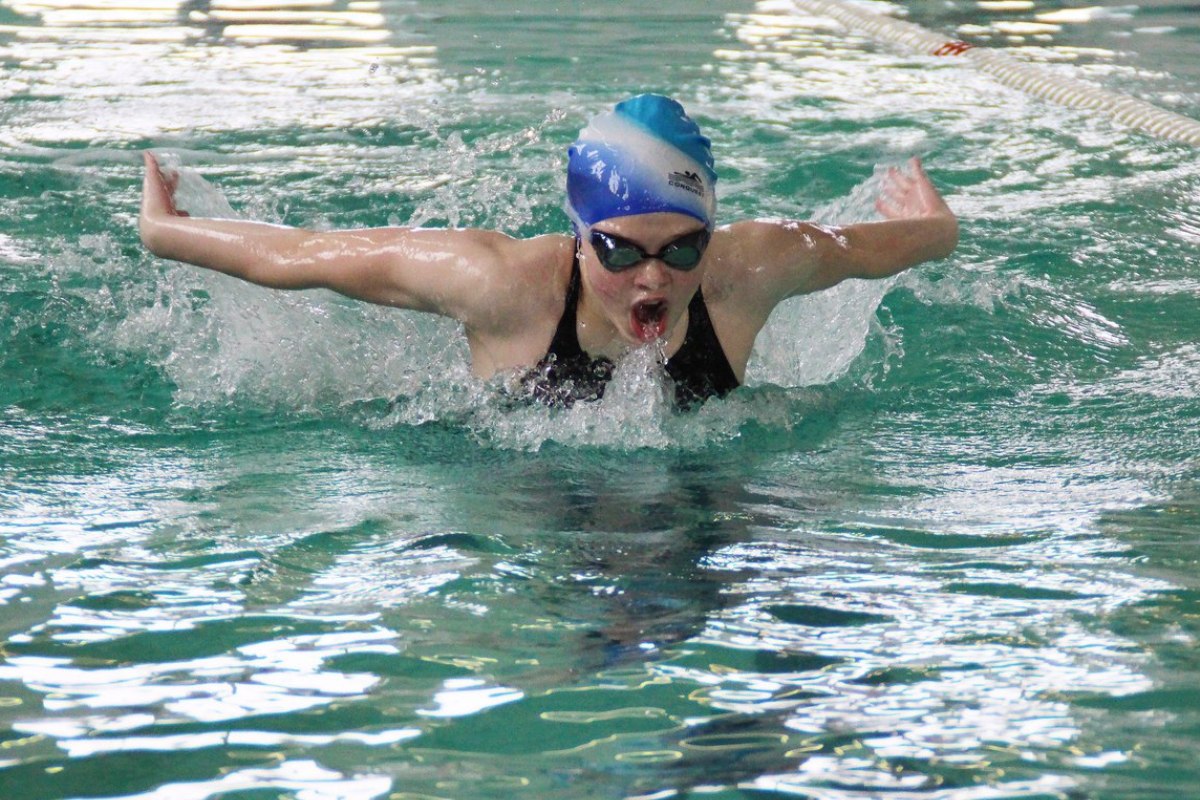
x=814, y=339
x=468, y=190
x=219, y=339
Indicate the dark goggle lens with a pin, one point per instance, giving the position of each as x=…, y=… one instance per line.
x=617, y=254
x=683, y=256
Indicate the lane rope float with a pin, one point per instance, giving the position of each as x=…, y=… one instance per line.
x=1025, y=77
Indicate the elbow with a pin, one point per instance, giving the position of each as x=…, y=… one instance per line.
x=272, y=269
x=282, y=268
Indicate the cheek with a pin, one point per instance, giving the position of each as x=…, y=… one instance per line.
x=610, y=286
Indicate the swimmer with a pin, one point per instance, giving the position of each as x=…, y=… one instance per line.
x=647, y=265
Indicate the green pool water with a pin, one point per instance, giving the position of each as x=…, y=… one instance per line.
x=943, y=545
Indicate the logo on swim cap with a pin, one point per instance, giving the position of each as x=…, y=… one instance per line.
x=644, y=156
x=688, y=181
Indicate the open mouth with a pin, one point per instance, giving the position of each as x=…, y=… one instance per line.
x=649, y=319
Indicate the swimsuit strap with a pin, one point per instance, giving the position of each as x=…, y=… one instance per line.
x=565, y=343
x=566, y=373
x=700, y=367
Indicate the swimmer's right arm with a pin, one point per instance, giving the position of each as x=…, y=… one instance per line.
x=440, y=271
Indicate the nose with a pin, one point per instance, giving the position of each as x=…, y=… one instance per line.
x=652, y=274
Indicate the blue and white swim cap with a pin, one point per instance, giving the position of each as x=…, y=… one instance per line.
x=644, y=156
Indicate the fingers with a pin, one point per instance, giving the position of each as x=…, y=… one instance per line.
x=901, y=191
x=909, y=193
x=158, y=189
x=894, y=193
x=170, y=176
x=896, y=179
x=887, y=209
x=151, y=180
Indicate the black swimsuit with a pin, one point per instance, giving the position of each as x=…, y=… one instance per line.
x=566, y=374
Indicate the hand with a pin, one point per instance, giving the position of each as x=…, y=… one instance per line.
x=158, y=191
x=158, y=204
x=910, y=196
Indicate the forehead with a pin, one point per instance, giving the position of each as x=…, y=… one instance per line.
x=649, y=228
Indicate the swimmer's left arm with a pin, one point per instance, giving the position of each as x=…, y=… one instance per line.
x=795, y=258
x=919, y=227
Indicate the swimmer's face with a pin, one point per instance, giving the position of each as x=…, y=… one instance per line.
x=645, y=301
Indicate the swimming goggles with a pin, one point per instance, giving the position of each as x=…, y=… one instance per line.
x=618, y=255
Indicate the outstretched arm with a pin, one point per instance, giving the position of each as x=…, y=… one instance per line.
x=793, y=258
x=441, y=271
x=919, y=227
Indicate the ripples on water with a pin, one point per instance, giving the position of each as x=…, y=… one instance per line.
x=263, y=544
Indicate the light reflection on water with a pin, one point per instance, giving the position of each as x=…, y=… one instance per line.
x=921, y=653
x=99, y=72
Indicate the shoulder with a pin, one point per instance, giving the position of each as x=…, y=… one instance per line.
x=531, y=266
x=475, y=247
x=534, y=254
x=758, y=263
x=524, y=281
x=753, y=244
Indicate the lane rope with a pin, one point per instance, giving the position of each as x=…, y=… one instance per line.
x=1025, y=77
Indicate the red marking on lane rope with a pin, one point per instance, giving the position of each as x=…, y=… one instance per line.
x=953, y=49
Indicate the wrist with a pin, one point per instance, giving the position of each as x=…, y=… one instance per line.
x=153, y=231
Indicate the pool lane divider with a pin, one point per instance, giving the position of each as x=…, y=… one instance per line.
x=1025, y=77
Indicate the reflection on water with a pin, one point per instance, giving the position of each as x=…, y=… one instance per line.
x=311, y=21
x=650, y=614
x=132, y=70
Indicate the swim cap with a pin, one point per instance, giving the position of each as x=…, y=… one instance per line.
x=644, y=156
